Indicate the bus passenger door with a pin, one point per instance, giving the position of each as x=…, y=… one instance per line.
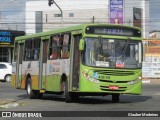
x=19, y=65
x=75, y=61
x=43, y=63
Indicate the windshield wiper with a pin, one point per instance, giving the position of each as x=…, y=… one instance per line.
x=125, y=46
x=100, y=48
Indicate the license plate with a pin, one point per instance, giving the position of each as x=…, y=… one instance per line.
x=120, y=64
x=113, y=87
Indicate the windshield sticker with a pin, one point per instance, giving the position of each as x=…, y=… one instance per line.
x=111, y=40
x=95, y=75
x=102, y=63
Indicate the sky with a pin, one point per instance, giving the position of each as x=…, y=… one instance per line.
x=155, y=14
x=12, y=12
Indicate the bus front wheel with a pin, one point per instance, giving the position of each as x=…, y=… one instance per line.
x=67, y=95
x=115, y=98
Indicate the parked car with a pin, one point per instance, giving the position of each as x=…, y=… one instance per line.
x=5, y=71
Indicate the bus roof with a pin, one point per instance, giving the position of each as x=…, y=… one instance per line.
x=68, y=29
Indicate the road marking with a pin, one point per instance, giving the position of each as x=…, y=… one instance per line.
x=9, y=105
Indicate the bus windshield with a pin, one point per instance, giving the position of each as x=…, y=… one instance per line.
x=113, y=53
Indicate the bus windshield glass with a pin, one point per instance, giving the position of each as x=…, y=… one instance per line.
x=113, y=53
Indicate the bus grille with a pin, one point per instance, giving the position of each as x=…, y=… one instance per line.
x=113, y=81
x=115, y=72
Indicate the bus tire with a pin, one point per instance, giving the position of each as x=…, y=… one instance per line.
x=115, y=98
x=39, y=95
x=67, y=95
x=31, y=94
x=75, y=97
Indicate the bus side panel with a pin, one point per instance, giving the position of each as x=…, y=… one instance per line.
x=20, y=76
x=52, y=83
x=30, y=68
x=55, y=69
x=13, y=76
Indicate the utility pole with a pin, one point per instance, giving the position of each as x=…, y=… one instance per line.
x=93, y=19
x=50, y=2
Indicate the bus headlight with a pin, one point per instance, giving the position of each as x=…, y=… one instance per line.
x=132, y=82
x=89, y=78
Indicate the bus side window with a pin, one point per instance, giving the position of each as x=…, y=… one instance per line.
x=36, y=49
x=54, y=48
x=27, y=51
x=65, y=49
x=16, y=51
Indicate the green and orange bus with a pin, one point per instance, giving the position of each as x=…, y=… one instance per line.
x=83, y=60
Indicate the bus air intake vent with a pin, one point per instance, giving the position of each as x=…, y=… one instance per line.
x=115, y=72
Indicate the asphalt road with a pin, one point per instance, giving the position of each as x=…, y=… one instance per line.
x=148, y=101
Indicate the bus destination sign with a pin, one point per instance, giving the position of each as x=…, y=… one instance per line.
x=113, y=30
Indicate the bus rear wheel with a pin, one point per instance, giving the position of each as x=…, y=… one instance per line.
x=31, y=94
x=115, y=98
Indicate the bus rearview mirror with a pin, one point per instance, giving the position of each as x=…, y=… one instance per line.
x=81, y=44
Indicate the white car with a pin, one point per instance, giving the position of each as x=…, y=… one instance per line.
x=5, y=71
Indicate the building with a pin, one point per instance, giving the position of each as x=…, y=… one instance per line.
x=72, y=12
x=7, y=44
x=154, y=34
